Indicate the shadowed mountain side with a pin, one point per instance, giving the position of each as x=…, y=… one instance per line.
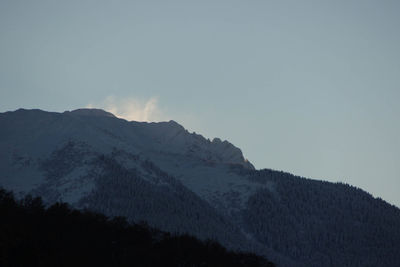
x=313, y=221
x=183, y=183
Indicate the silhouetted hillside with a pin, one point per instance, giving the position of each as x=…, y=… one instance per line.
x=32, y=235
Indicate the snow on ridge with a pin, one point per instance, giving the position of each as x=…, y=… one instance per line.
x=91, y=112
x=168, y=136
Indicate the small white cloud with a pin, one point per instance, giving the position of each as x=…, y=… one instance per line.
x=132, y=109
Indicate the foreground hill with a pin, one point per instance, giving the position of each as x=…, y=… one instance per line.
x=181, y=182
x=59, y=236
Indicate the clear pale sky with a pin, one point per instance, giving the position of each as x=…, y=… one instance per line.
x=308, y=87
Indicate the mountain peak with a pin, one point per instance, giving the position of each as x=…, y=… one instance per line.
x=91, y=112
x=230, y=152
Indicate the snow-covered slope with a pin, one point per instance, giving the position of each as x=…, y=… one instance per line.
x=60, y=156
x=28, y=138
x=182, y=182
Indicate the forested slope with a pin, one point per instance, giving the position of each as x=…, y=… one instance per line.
x=321, y=223
x=31, y=235
x=181, y=182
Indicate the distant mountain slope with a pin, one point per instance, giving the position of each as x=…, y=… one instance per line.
x=312, y=222
x=182, y=182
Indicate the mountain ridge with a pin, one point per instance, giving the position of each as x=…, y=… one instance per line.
x=182, y=182
x=160, y=132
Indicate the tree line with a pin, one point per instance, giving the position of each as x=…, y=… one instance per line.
x=34, y=235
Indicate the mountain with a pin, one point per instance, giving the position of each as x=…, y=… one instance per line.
x=181, y=182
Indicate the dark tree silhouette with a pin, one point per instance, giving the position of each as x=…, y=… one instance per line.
x=31, y=235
